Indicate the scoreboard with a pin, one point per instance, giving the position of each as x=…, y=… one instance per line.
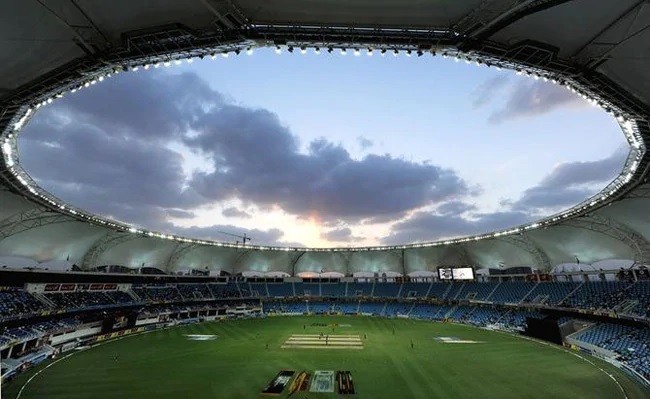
x=456, y=273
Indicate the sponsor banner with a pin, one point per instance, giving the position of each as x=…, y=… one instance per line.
x=277, y=384
x=323, y=381
x=117, y=334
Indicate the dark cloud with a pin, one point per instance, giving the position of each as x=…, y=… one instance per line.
x=490, y=90
x=426, y=226
x=512, y=98
x=364, y=143
x=257, y=160
x=343, y=234
x=570, y=183
x=567, y=185
x=106, y=149
x=455, y=208
x=217, y=233
x=233, y=212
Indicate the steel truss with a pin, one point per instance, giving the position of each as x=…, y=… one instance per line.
x=617, y=230
x=524, y=242
x=106, y=242
x=177, y=253
x=30, y=219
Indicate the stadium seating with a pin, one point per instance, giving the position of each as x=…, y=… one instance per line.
x=14, y=302
x=512, y=292
x=158, y=294
x=280, y=290
x=88, y=299
x=415, y=290
x=194, y=291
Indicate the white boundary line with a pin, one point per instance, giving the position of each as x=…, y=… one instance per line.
x=79, y=351
x=563, y=349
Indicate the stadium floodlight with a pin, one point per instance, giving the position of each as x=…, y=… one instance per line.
x=330, y=50
x=156, y=65
x=237, y=51
x=317, y=50
x=213, y=55
x=167, y=64
x=420, y=53
x=343, y=51
x=303, y=50
x=146, y=66
x=395, y=52
x=278, y=50
x=369, y=53
x=383, y=52
x=249, y=51
x=357, y=52
x=290, y=49
x=408, y=53
x=225, y=54
x=178, y=62
x=134, y=69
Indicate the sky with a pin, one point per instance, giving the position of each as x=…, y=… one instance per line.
x=323, y=150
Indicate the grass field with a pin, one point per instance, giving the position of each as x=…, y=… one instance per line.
x=165, y=364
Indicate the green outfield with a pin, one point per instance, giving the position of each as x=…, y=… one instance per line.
x=387, y=358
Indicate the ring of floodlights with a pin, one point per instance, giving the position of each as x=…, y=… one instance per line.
x=84, y=73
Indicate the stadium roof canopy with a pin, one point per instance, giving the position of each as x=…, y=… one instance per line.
x=598, y=48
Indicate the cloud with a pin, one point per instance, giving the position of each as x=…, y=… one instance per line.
x=233, y=212
x=216, y=232
x=513, y=98
x=570, y=183
x=343, y=234
x=489, y=90
x=432, y=226
x=566, y=185
x=257, y=160
x=108, y=150
x=364, y=143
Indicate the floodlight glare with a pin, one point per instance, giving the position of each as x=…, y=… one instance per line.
x=303, y=50
x=357, y=52
x=278, y=50
x=369, y=52
x=249, y=51
x=317, y=50
x=343, y=51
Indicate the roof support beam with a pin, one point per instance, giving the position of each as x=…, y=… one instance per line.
x=30, y=219
x=107, y=241
x=524, y=242
x=179, y=251
x=79, y=39
x=616, y=230
x=608, y=27
x=516, y=11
